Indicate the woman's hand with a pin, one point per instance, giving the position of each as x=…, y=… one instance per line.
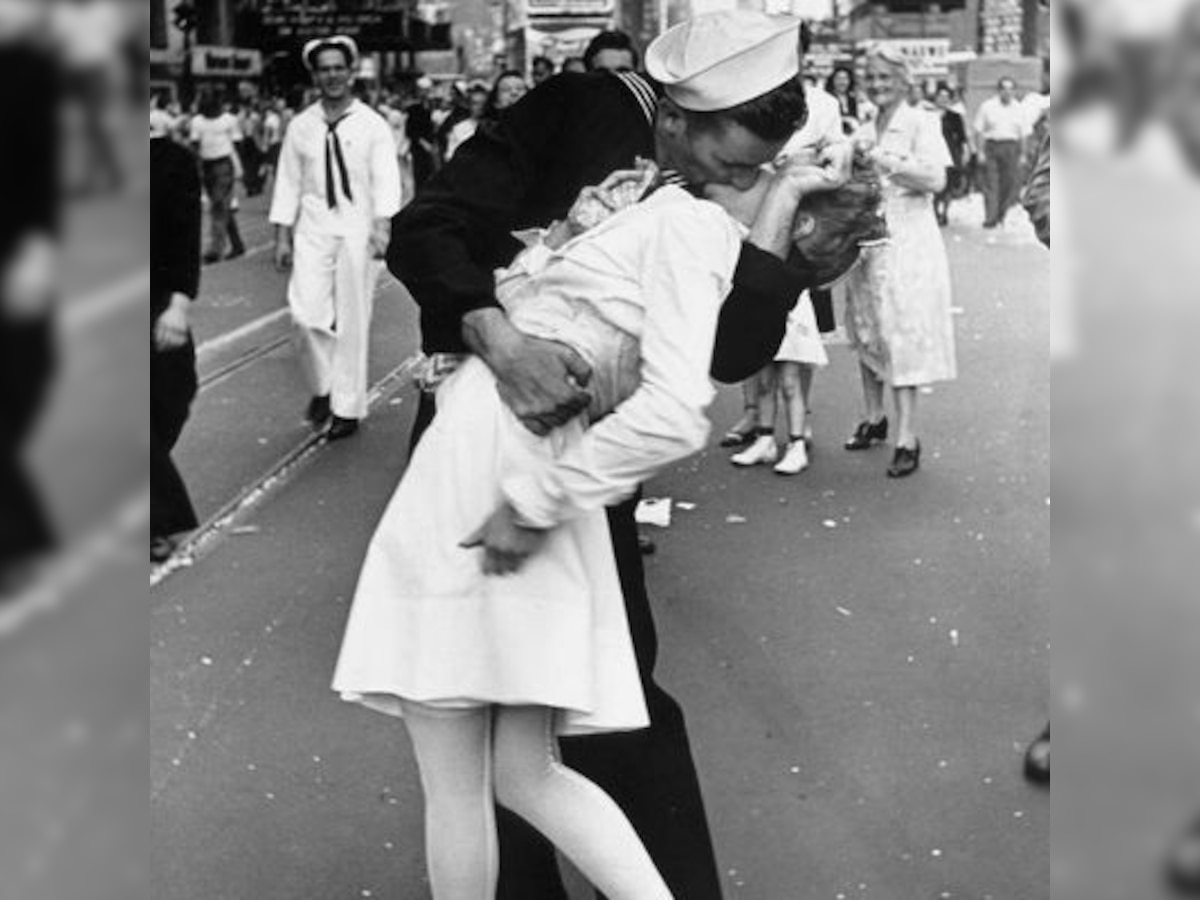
x=506, y=544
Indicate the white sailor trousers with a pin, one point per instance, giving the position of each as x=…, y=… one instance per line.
x=330, y=295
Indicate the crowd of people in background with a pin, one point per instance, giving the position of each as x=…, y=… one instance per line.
x=238, y=137
x=942, y=160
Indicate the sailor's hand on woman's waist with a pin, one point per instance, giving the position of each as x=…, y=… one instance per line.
x=543, y=382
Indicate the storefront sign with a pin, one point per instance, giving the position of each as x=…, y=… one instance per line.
x=570, y=7
x=288, y=28
x=927, y=56
x=228, y=62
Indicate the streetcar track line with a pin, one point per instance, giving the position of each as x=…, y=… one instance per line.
x=83, y=311
x=65, y=575
x=221, y=341
x=221, y=523
x=221, y=373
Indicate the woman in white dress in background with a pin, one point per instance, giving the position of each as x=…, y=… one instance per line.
x=898, y=312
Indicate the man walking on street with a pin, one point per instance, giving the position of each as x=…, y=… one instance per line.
x=724, y=76
x=174, y=284
x=29, y=254
x=1001, y=127
x=337, y=187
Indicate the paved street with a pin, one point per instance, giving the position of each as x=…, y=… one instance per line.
x=862, y=660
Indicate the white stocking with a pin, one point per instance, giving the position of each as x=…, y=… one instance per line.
x=575, y=814
x=454, y=754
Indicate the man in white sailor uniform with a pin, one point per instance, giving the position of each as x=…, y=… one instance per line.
x=336, y=189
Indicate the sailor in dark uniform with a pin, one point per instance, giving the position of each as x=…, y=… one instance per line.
x=713, y=126
x=174, y=282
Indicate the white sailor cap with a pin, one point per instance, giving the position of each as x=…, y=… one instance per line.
x=721, y=60
x=337, y=42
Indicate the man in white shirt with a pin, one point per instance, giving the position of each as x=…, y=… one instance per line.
x=1001, y=127
x=273, y=130
x=336, y=190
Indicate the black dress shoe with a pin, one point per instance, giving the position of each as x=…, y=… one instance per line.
x=646, y=546
x=734, y=438
x=236, y=252
x=905, y=461
x=1037, y=759
x=161, y=549
x=868, y=434
x=341, y=428
x=210, y=258
x=318, y=411
x=1183, y=863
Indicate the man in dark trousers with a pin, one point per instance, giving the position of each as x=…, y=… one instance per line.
x=174, y=282
x=29, y=92
x=731, y=100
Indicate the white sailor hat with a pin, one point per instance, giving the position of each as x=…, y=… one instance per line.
x=721, y=60
x=337, y=42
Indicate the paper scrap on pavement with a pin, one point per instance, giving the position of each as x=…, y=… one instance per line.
x=684, y=504
x=654, y=511
x=845, y=612
x=735, y=519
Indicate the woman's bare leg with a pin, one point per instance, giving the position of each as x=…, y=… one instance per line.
x=872, y=394
x=906, y=412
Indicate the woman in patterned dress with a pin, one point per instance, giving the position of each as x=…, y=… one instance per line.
x=898, y=304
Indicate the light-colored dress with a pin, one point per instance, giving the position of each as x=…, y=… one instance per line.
x=638, y=296
x=898, y=301
x=802, y=341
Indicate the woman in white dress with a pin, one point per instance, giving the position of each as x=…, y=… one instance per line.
x=898, y=304
x=490, y=655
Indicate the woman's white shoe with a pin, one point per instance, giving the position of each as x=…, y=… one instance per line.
x=795, y=460
x=762, y=452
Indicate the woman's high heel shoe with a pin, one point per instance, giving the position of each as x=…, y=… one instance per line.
x=868, y=434
x=905, y=461
x=1037, y=758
